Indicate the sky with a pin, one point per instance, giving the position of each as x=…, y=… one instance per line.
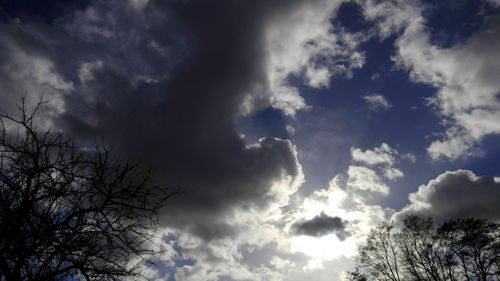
x=293, y=126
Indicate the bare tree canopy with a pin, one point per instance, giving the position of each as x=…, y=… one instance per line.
x=460, y=249
x=68, y=213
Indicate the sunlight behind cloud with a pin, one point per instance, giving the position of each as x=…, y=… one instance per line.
x=327, y=247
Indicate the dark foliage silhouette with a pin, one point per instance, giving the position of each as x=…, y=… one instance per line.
x=68, y=213
x=459, y=249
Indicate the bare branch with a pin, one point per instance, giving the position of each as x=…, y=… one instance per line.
x=71, y=213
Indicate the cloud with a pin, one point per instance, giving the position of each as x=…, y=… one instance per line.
x=410, y=157
x=377, y=102
x=165, y=83
x=304, y=43
x=393, y=173
x=355, y=214
x=362, y=178
x=495, y=2
x=117, y=59
x=25, y=70
x=383, y=158
x=379, y=155
x=467, y=87
x=321, y=225
x=458, y=194
x=464, y=74
x=343, y=213
x=87, y=69
x=337, y=207
x=139, y=5
x=390, y=17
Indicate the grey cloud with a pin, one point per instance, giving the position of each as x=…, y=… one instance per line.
x=26, y=66
x=165, y=84
x=321, y=225
x=181, y=122
x=458, y=194
x=184, y=124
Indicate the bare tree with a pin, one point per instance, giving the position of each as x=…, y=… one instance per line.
x=379, y=254
x=461, y=249
x=475, y=247
x=424, y=257
x=68, y=213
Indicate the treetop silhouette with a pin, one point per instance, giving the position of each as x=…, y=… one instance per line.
x=68, y=213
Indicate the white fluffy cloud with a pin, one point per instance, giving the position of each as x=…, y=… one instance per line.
x=377, y=102
x=383, y=158
x=465, y=74
x=366, y=179
x=390, y=16
x=304, y=43
x=384, y=155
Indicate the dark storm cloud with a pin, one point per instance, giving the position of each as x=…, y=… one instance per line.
x=184, y=124
x=458, y=194
x=164, y=86
x=321, y=225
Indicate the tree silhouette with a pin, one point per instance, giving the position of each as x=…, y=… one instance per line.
x=380, y=255
x=460, y=249
x=356, y=275
x=474, y=247
x=68, y=213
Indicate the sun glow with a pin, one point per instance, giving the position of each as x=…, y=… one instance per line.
x=327, y=247
x=337, y=200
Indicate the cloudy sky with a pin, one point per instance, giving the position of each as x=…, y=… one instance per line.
x=294, y=126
